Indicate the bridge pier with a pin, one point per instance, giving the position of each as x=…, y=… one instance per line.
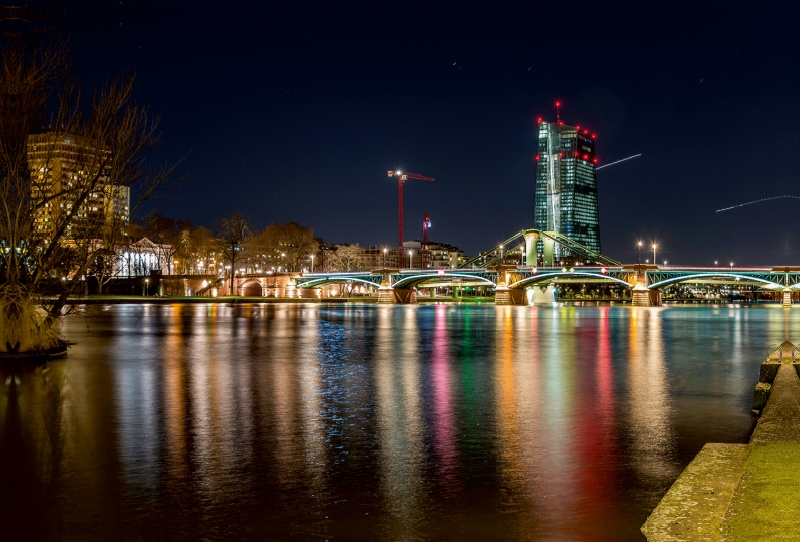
x=641, y=296
x=787, y=297
x=397, y=296
x=544, y=295
x=506, y=296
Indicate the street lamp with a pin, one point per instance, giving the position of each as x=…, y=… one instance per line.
x=639, y=260
x=654, y=254
x=501, y=254
x=384, y=258
x=522, y=255
x=283, y=254
x=410, y=258
x=731, y=266
x=146, y=287
x=312, y=263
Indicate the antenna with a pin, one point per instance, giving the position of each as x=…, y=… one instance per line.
x=558, y=112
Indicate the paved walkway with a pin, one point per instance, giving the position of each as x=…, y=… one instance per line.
x=780, y=421
x=741, y=492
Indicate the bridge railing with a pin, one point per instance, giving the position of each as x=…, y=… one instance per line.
x=718, y=268
x=775, y=349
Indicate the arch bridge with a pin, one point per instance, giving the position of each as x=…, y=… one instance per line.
x=511, y=283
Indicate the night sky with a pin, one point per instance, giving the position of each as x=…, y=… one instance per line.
x=295, y=111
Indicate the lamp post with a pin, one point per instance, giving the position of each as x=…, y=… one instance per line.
x=501, y=256
x=639, y=258
x=146, y=287
x=410, y=258
x=312, y=263
x=384, y=258
x=654, y=254
x=522, y=255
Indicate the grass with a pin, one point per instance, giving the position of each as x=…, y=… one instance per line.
x=766, y=505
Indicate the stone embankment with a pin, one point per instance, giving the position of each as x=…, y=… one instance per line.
x=736, y=492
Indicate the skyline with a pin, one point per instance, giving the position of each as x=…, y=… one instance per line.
x=308, y=105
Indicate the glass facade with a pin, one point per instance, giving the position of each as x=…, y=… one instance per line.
x=566, y=185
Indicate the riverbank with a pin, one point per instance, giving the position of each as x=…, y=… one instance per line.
x=742, y=492
x=168, y=300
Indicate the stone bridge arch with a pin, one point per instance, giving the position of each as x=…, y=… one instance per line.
x=251, y=288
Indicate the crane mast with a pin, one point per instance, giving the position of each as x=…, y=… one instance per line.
x=402, y=177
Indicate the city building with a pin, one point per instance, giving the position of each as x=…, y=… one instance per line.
x=142, y=258
x=440, y=256
x=63, y=169
x=566, y=185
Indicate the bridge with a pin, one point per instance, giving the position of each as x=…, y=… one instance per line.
x=512, y=283
x=533, y=280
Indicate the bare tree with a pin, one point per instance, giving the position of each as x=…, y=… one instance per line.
x=348, y=258
x=290, y=244
x=61, y=163
x=232, y=234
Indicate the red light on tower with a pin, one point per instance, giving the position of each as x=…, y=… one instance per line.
x=585, y=156
x=594, y=136
x=586, y=131
x=595, y=160
x=539, y=120
x=537, y=157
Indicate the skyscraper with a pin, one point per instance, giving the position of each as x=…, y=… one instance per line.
x=566, y=185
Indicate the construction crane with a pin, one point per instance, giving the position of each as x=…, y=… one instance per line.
x=426, y=223
x=402, y=177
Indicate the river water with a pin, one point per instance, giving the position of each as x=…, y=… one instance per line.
x=366, y=422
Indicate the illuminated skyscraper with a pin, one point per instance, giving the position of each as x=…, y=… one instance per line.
x=566, y=185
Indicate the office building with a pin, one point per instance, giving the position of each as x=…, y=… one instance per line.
x=566, y=185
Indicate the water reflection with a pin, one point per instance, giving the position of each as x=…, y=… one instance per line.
x=649, y=408
x=400, y=429
x=363, y=422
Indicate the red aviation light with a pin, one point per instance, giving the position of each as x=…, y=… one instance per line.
x=539, y=120
x=594, y=136
x=577, y=127
x=595, y=160
x=558, y=104
x=585, y=156
x=586, y=131
x=537, y=157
